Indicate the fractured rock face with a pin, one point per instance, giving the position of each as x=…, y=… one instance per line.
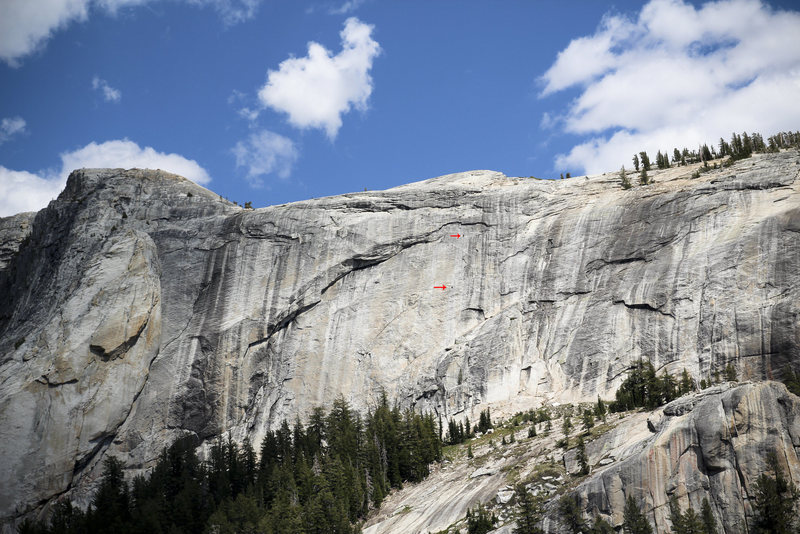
x=716, y=450
x=141, y=307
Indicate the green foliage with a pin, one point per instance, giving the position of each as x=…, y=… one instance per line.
x=529, y=511
x=633, y=520
x=601, y=526
x=775, y=500
x=645, y=161
x=687, y=382
x=583, y=460
x=741, y=146
x=600, y=409
x=730, y=373
x=642, y=388
x=470, y=454
x=532, y=431
x=687, y=522
x=485, y=421
x=644, y=178
x=566, y=425
x=588, y=420
x=623, y=178
x=707, y=517
x=570, y=510
x=792, y=381
x=248, y=205
x=320, y=478
x=479, y=521
x=456, y=433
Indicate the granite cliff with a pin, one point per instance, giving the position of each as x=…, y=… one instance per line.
x=138, y=306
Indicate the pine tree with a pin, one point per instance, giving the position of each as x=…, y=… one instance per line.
x=775, y=500
x=111, y=504
x=636, y=162
x=707, y=517
x=730, y=373
x=623, y=178
x=634, y=521
x=583, y=460
x=645, y=160
x=687, y=382
x=479, y=521
x=792, y=381
x=570, y=510
x=600, y=409
x=532, y=431
x=601, y=526
x=588, y=420
x=529, y=512
x=644, y=179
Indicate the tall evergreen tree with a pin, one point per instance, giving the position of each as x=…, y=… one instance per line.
x=634, y=521
x=570, y=510
x=583, y=459
x=775, y=500
x=707, y=516
x=645, y=160
x=623, y=178
x=600, y=409
x=529, y=511
x=479, y=521
x=587, y=419
x=111, y=505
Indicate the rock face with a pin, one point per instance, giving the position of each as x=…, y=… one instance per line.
x=713, y=444
x=141, y=307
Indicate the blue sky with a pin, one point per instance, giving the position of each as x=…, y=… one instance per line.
x=231, y=93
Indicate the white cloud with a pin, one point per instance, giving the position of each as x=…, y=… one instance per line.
x=264, y=153
x=314, y=91
x=26, y=25
x=348, y=7
x=26, y=191
x=9, y=127
x=231, y=11
x=109, y=93
x=677, y=76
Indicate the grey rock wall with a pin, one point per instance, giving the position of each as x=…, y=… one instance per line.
x=142, y=306
x=713, y=444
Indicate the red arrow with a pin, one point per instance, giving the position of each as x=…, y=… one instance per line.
x=457, y=236
x=442, y=287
